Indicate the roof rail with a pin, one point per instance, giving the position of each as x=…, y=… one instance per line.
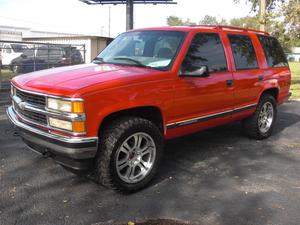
x=225, y=27
x=240, y=28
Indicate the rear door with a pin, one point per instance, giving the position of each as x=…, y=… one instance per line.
x=277, y=68
x=247, y=70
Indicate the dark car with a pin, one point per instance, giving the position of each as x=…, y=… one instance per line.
x=73, y=54
x=27, y=62
x=53, y=56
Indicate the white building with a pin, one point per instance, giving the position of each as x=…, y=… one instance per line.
x=91, y=45
x=294, y=55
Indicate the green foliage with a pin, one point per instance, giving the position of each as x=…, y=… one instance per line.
x=246, y=22
x=271, y=4
x=211, y=20
x=176, y=21
x=291, y=13
x=207, y=20
x=282, y=20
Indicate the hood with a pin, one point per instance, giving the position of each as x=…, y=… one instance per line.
x=70, y=79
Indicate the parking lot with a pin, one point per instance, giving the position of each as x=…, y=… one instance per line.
x=216, y=177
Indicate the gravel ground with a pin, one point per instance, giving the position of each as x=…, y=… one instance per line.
x=216, y=177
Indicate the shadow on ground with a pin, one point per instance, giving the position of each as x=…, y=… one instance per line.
x=213, y=177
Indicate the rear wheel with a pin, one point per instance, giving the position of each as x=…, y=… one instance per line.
x=129, y=154
x=260, y=124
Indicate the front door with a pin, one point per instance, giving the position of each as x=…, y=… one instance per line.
x=200, y=98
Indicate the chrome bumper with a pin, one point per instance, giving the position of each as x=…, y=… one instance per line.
x=71, y=147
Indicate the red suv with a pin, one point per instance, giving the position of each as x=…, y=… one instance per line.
x=149, y=85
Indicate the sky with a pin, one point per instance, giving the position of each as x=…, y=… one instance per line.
x=73, y=16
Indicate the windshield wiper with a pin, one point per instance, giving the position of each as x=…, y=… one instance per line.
x=138, y=63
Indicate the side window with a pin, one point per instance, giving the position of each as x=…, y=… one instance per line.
x=206, y=49
x=243, y=52
x=42, y=51
x=273, y=51
x=7, y=48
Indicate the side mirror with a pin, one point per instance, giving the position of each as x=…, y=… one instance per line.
x=200, y=72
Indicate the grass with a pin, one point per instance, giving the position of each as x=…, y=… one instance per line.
x=7, y=74
x=295, y=87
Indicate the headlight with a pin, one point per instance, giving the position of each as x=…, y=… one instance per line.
x=59, y=105
x=65, y=106
x=76, y=126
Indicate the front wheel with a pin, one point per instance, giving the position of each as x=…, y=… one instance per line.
x=130, y=150
x=260, y=125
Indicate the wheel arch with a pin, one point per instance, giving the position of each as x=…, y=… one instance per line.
x=152, y=113
x=273, y=91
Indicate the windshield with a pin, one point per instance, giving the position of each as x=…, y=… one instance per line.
x=153, y=49
x=18, y=47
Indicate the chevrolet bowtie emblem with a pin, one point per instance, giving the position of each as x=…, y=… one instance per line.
x=22, y=105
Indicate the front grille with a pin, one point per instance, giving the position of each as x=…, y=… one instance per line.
x=33, y=99
x=31, y=116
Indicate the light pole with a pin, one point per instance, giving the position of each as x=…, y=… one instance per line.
x=129, y=7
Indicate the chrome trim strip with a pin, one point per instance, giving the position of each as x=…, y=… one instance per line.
x=12, y=116
x=62, y=115
x=47, y=95
x=207, y=117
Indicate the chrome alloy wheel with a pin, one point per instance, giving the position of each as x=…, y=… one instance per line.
x=266, y=117
x=135, y=157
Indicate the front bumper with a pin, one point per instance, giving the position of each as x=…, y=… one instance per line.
x=74, y=152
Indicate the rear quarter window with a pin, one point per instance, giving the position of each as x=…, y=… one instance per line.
x=273, y=51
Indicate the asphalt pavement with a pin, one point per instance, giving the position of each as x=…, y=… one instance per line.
x=216, y=177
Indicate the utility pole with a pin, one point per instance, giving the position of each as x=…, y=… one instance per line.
x=108, y=21
x=262, y=15
x=129, y=14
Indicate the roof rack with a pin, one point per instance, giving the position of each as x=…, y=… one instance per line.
x=225, y=27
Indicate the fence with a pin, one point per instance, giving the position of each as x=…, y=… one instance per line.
x=18, y=57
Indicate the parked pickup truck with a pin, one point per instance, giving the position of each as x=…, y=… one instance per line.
x=147, y=86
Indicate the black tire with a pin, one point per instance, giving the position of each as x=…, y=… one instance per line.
x=251, y=124
x=111, y=138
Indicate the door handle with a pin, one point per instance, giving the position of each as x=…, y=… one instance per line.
x=229, y=83
x=260, y=78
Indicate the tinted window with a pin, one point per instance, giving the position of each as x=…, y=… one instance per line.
x=206, y=49
x=243, y=52
x=273, y=51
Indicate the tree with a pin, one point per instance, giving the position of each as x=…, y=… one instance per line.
x=286, y=30
x=176, y=21
x=270, y=4
x=211, y=20
x=246, y=22
x=291, y=13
